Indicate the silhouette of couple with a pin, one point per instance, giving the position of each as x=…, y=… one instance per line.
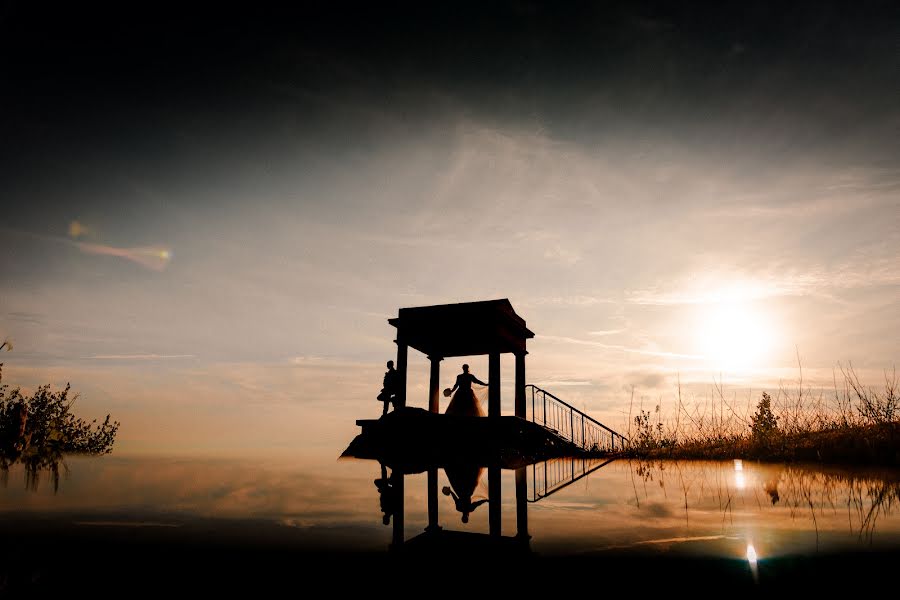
x=464, y=402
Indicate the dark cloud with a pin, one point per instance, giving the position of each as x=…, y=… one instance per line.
x=298, y=154
x=112, y=71
x=645, y=381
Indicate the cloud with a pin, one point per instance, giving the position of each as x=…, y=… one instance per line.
x=24, y=317
x=562, y=255
x=562, y=383
x=139, y=356
x=575, y=300
x=646, y=380
x=717, y=286
x=570, y=340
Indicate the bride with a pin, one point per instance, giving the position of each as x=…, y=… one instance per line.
x=465, y=402
x=464, y=479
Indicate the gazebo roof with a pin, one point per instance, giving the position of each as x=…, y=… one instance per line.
x=464, y=329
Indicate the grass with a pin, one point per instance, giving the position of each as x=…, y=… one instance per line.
x=855, y=424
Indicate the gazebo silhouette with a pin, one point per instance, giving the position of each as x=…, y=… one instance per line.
x=489, y=327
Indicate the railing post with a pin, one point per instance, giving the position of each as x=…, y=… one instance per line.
x=544, y=413
x=583, y=444
x=572, y=425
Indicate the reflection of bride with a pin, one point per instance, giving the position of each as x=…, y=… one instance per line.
x=464, y=481
x=465, y=402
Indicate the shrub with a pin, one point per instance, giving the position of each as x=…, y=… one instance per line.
x=764, y=424
x=39, y=430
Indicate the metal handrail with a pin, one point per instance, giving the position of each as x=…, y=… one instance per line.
x=550, y=476
x=572, y=424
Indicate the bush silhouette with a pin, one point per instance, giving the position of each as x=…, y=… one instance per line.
x=764, y=424
x=40, y=429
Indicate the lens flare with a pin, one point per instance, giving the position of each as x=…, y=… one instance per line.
x=155, y=258
x=751, y=554
x=152, y=257
x=740, y=481
x=77, y=230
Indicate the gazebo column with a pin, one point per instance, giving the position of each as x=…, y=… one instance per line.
x=494, y=501
x=432, y=501
x=522, y=504
x=400, y=399
x=520, y=384
x=434, y=401
x=494, y=385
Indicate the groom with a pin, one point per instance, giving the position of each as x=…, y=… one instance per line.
x=389, y=387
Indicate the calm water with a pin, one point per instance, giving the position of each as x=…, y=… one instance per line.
x=706, y=509
x=714, y=508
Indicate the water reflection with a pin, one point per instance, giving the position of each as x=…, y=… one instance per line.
x=34, y=468
x=554, y=508
x=465, y=487
x=464, y=479
x=698, y=507
x=388, y=497
x=750, y=514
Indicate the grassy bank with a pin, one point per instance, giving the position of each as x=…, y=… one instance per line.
x=854, y=423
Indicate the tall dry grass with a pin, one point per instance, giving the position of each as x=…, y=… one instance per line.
x=853, y=422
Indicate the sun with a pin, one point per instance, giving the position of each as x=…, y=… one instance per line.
x=733, y=336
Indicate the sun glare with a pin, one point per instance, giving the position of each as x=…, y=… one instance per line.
x=733, y=336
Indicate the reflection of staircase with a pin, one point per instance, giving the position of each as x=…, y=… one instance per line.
x=552, y=475
x=571, y=424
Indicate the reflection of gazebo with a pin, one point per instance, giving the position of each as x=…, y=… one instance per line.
x=436, y=540
x=489, y=327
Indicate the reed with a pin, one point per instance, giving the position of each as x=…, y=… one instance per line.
x=856, y=423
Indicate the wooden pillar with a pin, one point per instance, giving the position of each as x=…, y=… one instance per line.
x=401, y=372
x=397, y=485
x=434, y=400
x=520, y=385
x=494, y=500
x=494, y=385
x=432, y=501
x=522, y=504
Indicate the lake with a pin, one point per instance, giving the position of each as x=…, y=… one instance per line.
x=739, y=521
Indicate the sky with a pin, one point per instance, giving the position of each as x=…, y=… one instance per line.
x=210, y=213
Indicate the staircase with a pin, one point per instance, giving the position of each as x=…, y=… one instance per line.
x=571, y=424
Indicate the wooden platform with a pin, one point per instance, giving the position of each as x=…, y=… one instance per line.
x=414, y=440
